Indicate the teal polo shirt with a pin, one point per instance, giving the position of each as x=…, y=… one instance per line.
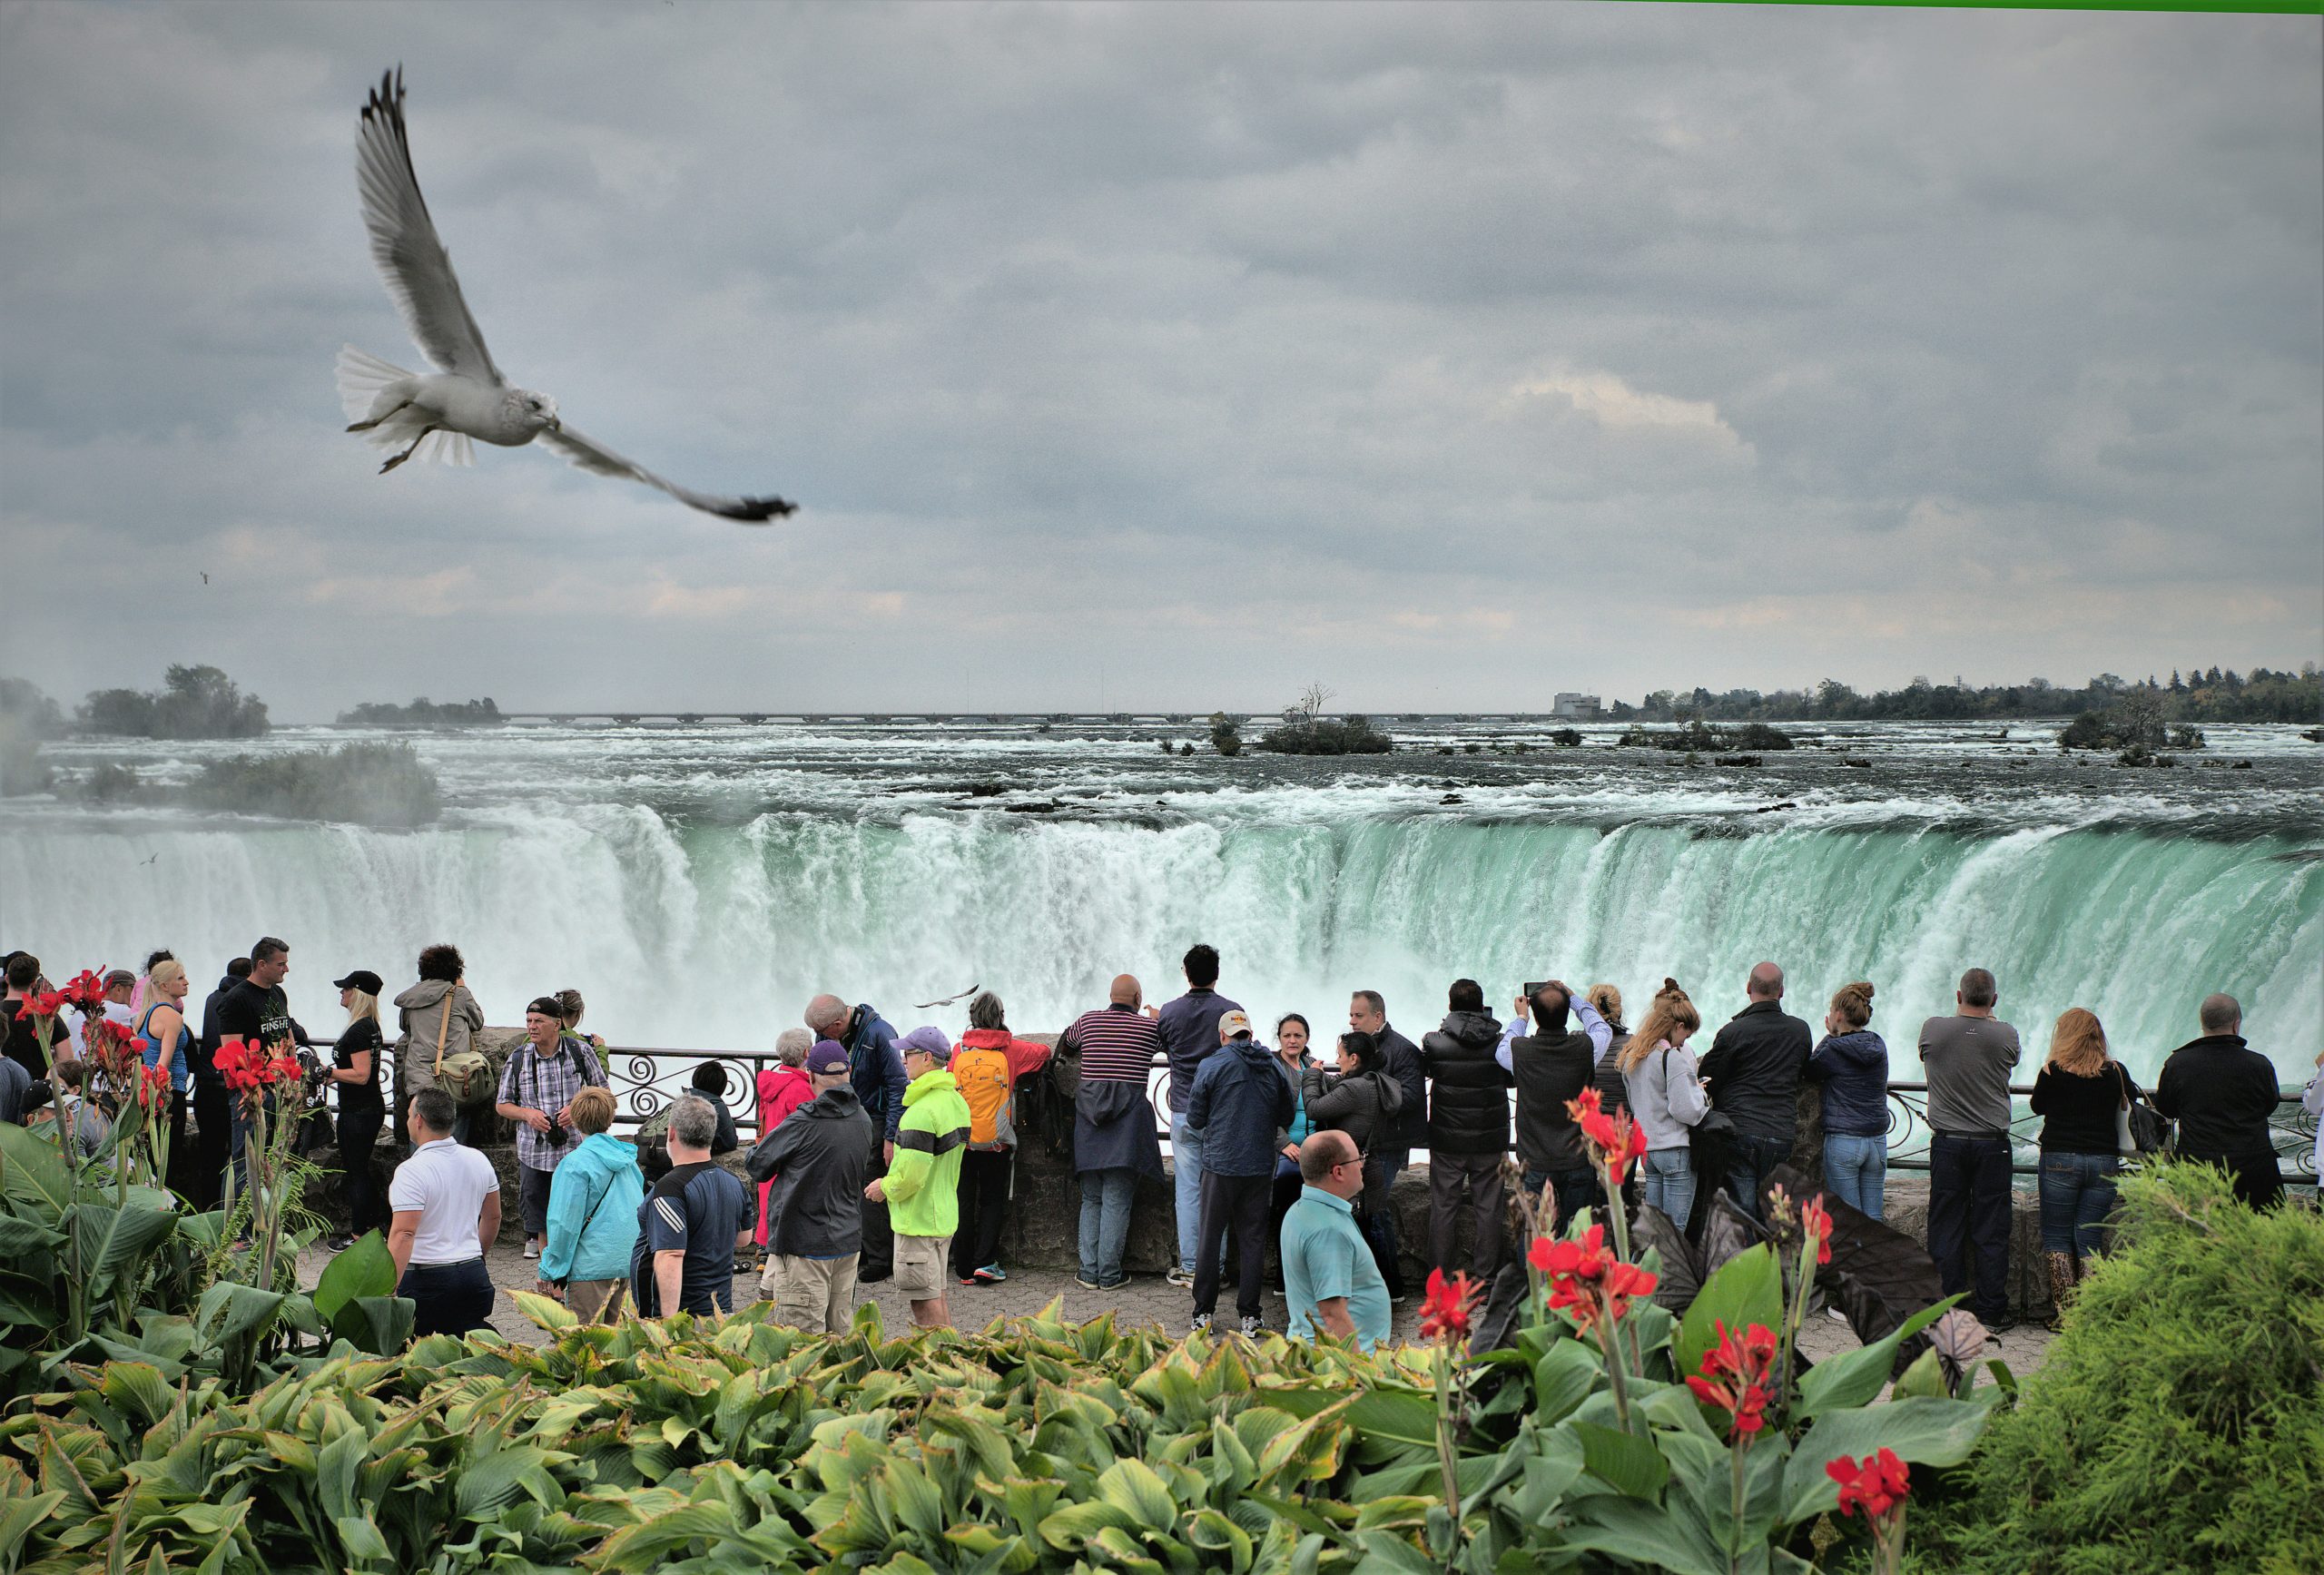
x=1324, y=1254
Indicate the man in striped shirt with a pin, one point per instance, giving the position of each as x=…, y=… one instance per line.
x=1114, y=1137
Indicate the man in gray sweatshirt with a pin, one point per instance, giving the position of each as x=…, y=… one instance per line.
x=1970, y=1056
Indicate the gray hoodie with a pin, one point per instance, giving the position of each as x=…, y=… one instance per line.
x=1666, y=1096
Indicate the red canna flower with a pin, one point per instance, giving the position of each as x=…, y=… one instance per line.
x=1735, y=1376
x=1873, y=1488
x=1449, y=1307
x=1586, y=1278
x=1615, y=1140
x=1817, y=1221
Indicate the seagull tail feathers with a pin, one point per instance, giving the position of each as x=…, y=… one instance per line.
x=445, y=447
x=362, y=378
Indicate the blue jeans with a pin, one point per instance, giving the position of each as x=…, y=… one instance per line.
x=2077, y=1193
x=1968, y=1216
x=1747, y=1165
x=1856, y=1170
x=1105, y=1196
x=1186, y=1167
x=1667, y=1182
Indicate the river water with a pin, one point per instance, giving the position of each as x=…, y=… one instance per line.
x=699, y=883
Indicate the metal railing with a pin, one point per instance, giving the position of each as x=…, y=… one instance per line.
x=645, y=1078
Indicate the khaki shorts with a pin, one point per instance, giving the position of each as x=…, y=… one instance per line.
x=922, y=1262
x=816, y=1295
x=587, y=1298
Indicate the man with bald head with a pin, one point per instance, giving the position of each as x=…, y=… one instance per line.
x=1114, y=1137
x=1752, y=1073
x=2222, y=1092
x=876, y=1069
x=1329, y=1280
x=1969, y=1057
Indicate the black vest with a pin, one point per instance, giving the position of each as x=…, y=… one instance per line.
x=1550, y=1068
x=1467, y=1104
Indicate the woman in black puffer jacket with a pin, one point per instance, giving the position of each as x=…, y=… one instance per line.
x=1360, y=1098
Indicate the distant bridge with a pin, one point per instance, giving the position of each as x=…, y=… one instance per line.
x=675, y=718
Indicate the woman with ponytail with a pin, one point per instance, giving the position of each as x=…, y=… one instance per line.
x=1666, y=1099
x=1852, y=1064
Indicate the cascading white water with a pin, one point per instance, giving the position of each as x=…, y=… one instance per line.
x=690, y=931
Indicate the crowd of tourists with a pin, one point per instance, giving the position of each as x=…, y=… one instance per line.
x=883, y=1156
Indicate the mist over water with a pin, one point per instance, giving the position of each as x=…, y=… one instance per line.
x=698, y=884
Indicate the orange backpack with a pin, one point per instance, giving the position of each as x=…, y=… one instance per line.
x=985, y=1084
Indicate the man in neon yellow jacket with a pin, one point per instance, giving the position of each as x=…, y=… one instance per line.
x=922, y=1186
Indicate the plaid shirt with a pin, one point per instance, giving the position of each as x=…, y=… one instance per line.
x=548, y=1084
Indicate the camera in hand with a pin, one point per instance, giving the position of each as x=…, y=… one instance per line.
x=555, y=1135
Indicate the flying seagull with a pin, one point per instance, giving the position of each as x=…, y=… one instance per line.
x=466, y=396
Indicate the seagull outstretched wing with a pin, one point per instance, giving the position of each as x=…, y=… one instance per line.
x=590, y=454
x=412, y=262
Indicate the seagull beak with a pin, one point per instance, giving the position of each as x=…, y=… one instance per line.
x=556, y=423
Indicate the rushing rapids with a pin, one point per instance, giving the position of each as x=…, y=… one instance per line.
x=699, y=883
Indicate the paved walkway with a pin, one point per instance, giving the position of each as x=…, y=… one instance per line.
x=1147, y=1299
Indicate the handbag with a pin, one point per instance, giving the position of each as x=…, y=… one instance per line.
x=2138, y=1130
x=1710, y=1140
x=464, y=1074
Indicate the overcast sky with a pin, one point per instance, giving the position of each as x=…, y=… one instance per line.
x=1173, y=356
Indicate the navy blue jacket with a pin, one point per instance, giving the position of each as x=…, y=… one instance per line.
x=1753, y=1070
x=1854, y=1070
x=1189, y=1030
x=1241, y=1096
x=877, y=1069
x=1400, y=1058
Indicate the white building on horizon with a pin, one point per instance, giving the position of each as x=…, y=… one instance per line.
x=1571, y=707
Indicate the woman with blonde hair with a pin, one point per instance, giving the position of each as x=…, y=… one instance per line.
x=1851, y=1062
x=2078, y=1093
x=1666, y=1099
x=355, y=1076
x=167, y=1040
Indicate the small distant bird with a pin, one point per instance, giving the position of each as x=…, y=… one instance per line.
x=205, y=575
x=467, y=397
x=155, y=858
x=948, y=1000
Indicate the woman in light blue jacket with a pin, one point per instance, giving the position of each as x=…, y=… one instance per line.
x=593, y=1206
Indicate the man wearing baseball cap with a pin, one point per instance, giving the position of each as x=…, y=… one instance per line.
x=816, y=1157
x=922, y=1187
x=1240, y=1096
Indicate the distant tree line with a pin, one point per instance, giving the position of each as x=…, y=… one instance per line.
x=192, y=703
x=2199, y=695
x=423, y=713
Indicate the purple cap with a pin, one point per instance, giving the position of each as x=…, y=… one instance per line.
x=827, y=1057
x=931, y=1039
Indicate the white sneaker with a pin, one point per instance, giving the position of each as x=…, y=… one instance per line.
x=1181, y=1278
x=532, y=1248
x=1250, y=1328
x=1201, y=1324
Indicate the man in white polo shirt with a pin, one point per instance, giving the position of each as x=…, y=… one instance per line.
x=446, y=1213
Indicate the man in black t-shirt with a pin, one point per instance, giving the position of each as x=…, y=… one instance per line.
x=258, y=1012
x=20, y=1034
x=690, y=1224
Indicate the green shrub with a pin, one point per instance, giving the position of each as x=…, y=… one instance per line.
x=2178, y=1424
x=378, y=784
x=1354, y=736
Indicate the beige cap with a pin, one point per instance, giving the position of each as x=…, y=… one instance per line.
x=1235, y=1022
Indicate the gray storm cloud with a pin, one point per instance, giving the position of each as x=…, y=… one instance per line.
x=1451, y=355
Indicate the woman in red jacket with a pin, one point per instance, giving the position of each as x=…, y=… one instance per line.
x=986, y=1063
